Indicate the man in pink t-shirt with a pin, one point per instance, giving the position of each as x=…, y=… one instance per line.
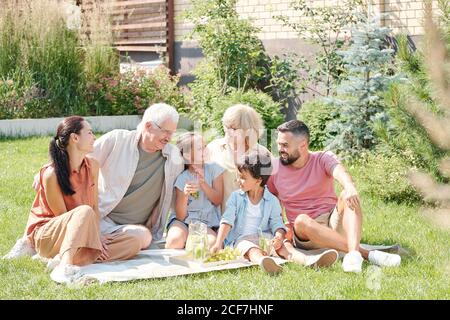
x=303, y=181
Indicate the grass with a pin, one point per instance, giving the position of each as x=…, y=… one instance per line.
x=424, y=275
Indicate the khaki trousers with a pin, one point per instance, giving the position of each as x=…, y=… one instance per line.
x=79, y=228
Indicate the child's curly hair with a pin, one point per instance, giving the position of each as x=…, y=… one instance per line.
x=258, y=164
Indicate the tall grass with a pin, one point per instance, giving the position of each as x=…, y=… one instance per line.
x=36, y=43
x=96, y=35
x=45, y=49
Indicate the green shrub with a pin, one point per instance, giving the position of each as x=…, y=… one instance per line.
x=208, y=106
x=317, y=114
x=403, y=136
x=384, y=177
x=230, y=44
x=359, y=102
x=325, y=27
x=261, y=102
x=204, y=91
x=23, y=100
x=133, y=92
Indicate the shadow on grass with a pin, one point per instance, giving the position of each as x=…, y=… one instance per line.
x=405, y=251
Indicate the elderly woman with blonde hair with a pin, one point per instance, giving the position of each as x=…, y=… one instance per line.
x=243, y=127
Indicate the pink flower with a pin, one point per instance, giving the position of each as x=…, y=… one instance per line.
x=140, y=73
x=113, y=82
x=109, y=97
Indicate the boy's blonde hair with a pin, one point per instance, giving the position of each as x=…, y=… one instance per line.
x=241, y=116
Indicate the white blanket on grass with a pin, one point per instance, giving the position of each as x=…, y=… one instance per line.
x=154, y=263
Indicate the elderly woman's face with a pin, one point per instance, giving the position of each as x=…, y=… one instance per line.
x=235, y=138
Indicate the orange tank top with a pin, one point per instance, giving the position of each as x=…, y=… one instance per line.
x=83, y=185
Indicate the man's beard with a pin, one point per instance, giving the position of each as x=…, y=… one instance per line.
x=290, y=159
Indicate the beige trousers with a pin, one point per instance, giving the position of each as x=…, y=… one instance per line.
x=79, y=228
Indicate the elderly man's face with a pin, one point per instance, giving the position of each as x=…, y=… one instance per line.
x=156, y=135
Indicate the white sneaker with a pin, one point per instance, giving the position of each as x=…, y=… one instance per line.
x=22, y=248
x=52, y=263
x=384, y=259
x=353, y=262
x=66, y=273
x=324, y=259
x=38, y=257
x=269, y=265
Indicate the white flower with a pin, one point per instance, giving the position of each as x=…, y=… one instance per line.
x=203, y=20
x=73, y=16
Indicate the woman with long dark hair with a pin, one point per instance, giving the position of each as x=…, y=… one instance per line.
x=64, y=220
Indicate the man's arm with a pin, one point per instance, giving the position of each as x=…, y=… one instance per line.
x=94, y=170
x=103, y=147
x=350, y=194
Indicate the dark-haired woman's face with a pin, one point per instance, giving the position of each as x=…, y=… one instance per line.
x=85, y=139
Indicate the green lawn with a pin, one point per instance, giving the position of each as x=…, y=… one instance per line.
x=424, y=275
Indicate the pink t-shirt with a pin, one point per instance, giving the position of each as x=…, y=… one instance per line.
x=309, y=190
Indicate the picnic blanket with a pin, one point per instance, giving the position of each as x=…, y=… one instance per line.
x=154, y=263
x=148, y=264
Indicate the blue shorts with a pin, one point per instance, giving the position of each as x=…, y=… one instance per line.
x=215, y=228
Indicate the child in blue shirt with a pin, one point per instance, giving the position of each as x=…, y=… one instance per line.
x=251, y=212
x=198, y=193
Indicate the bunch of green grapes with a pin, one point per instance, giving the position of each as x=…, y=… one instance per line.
x=224, y=255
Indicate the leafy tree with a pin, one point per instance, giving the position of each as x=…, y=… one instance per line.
x=324, y=27
x=359, y=103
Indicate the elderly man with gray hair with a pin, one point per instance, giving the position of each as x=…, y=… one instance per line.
x=137, y=173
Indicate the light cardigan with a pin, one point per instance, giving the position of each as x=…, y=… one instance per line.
x=220, y=152
x=118, y=155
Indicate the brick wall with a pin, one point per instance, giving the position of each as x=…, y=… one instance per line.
x=402, y=15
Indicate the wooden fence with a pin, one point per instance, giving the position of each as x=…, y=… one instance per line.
x=142, y=26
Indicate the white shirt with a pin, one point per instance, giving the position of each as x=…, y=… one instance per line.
x=118, y=155
x=253, y=217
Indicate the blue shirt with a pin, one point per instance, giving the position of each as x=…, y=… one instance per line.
x=234, y=215
x=201, y=209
